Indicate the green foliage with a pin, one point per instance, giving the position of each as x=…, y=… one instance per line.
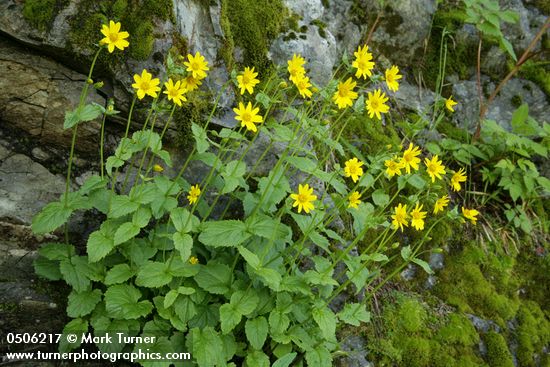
x=41, y=13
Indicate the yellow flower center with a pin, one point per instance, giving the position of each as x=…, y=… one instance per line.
x=195, y=65
x=247, y=117
x=144, y=86
x=343, y=92
x=246, y=79
x=303, y=198
x=375, y=104
x=113, y=37
x=389, y=78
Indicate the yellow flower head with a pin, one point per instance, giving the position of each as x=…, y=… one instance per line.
x=247, y=80
x=175, y=92
x=194, y=194
x=193, y=260
x=354, y=200
x=449, y=103
x=158, y=168
x=345, y=95
x=470, y=214
x=190, y=83
x=400, y=217
x=393, y=167
x=353, y=169
x=303, y=84
x=114, y=37
x=296, y=67
x=410, y=158
x=197, y=65
x=417, y=217
x=304, y=198
x=457, y=178
x=434, y=167
x=145, y=84
x=248, y=116
x=363, y=62
x=441, y=203
x=376, y=103
x=392, y=76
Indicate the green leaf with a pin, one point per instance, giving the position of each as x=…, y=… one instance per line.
x=278, y=322
x=122, y=205
x=214, y=278
x=273, y=188
x=285, y=360
x=183, y=220
x=380, y=198
x=141, y=217
x=245, y=302
x=122, y=302
x=119, y=274
x=256, y=331
x=200, y=138
x=223, y=233
x=406, y=253
x=56, y=251
x=153, y=275
x=230, y=317
x=71, y=269
x=424, y=265
x=233, y=176
x=51, y=217
x=207, y=347
x=326, y=320
x=77, y=327
x=126, y=232
x=101, y=242
x=267, y=227
x=184, y=244
x=48, y=269
x=185, y=308
x=170, y=298
x=82, y=303
x=270, y=277
x=263, y=99
x=84, y=113
x=354, y=314
x=257, y=358
x=250, y=257
x=304, y=164
x=507, y=46
x=319, y=357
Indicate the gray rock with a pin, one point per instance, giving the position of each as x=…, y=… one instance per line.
x=405, y=27
x=37, y=92
x=356, y=348
x=25, y=187
x=483, y=325
x=409, y=273
x=430, y=282
x=437, y=261
x=320, y=53
x=337, y=18
x=521, y=33
x=307, y=9
x=415, y=98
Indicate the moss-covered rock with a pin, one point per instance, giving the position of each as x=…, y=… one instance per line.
x=41, y=13
x=498, y=354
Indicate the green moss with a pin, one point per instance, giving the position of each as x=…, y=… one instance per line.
x=198, y=106
x=543, y=5
x=538, y=73
x=320, y=27
x=41, y=13
x=411, y=315
x=498, y=354
x=136, y=17
x=251, y=25
x=417, y=352
x=532, y=333
x=371, y=136
x=459, y=330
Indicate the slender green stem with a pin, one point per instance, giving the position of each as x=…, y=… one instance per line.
x=102, y=142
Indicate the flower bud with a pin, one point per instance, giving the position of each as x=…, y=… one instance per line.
x=90, y=81
x=98, y=85
x=158, y=168
x=283, y=85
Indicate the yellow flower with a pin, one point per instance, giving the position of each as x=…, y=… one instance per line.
x=248, y=116
x=190, y=83
x=345, y=95
x=193, y=260
x=400, y=217
x=410, y=158
x=363, y=62
x=393, y=167
x=114, y=37
x=296, y=67
x=449, y=103
x=194, y=194
x=144, y=84
x=441, y=203
x=434, y=167
x=417, y=217
x=376, y=103
x=392, y=76
x=247, y=80
x=175, y=92
x=470, y=214
x=303, y=84
x=304, y=198
x=353, y=169
x=197, y=65
x=457, y=178
x=158, y=168
x=354, y=200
